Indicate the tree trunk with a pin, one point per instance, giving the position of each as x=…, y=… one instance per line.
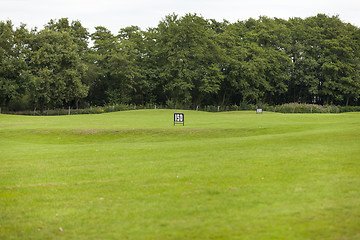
x=7, y=103
x=41, y=108
x=294, y=95
x=223, y=101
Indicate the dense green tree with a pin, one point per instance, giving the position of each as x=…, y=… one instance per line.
x=55, y=70
x=134, y=45
x=258, y=66
x=303, y=82
x=186, y=60
x=79, y=34
x=118, y=58
x=80, y=37
x=13, y=51
x=333, y=47
x=190, y=59
x=245, y=66
x=104, y=44
x=274, y=37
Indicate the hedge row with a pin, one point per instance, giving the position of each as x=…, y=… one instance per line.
x=314, y=108
x=284, y=108
x=306, y=108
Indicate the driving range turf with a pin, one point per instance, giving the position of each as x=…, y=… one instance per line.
x=133, y=175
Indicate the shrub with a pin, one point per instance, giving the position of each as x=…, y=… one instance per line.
x=306, y=108
x=284, y=108
x=349, y=108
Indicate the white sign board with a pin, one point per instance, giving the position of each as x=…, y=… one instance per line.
x=179, y=118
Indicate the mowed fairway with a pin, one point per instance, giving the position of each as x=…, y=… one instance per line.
x=133, y=175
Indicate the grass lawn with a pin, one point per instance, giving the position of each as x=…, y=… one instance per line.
x=133, y=175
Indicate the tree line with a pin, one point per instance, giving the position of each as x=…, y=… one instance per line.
x=185, y=61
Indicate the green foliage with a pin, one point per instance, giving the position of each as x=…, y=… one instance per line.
x=13, y=52
x=186, y=61
x=117, y=58
x=306, y=108
x=79, y=33
x=190, y=59
x=55, y=70
x=349, y=108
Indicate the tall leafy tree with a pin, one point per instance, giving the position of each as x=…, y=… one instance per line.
x=79, y=33
x=13, y=49
x=189, y=57
x=274, y=37
x=104, y=44
x=56, y=70
x=184, y=60
x=134, y=50
x=80, y=37
x=117, y=57
x=303, y=82
x=334, y=48
x=258, y=66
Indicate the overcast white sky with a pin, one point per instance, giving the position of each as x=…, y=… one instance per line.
x=116, y=14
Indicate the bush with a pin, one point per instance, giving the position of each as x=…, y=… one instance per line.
x=306, y=108
x=284, y=108
x=247, y=106
x=349, y=108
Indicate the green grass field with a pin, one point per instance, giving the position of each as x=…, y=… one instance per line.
x=133, y=175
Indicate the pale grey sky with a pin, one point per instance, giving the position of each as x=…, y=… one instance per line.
x=116, y=14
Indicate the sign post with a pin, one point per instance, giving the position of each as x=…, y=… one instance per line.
x=179, y=118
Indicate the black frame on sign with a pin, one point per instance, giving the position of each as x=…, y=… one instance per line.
x=179, y=118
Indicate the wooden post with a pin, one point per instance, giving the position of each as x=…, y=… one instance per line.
x=69, y=111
